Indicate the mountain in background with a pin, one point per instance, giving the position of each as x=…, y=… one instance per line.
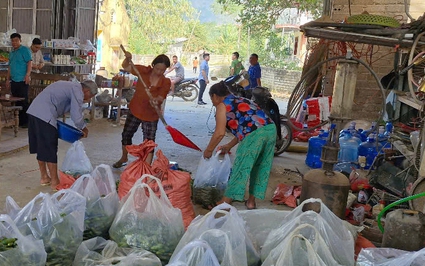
x=207, y=14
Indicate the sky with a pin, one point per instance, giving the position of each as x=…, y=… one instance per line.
x=207, y=15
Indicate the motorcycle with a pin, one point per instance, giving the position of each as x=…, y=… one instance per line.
x=187, y=89
x=263, y=98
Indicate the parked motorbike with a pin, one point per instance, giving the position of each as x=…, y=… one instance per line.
x=187, y=89
x=263, y=97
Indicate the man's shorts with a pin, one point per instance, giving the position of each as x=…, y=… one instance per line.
x=176, y=80
x=43, y=140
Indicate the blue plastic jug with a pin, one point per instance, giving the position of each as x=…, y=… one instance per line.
x=348, y=148
x=382, y=138
x=366, y=133
x=388, y=128
x=368, y=150
x=314, y=152
x=352, y=129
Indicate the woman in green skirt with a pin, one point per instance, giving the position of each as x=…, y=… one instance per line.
x=256, y=134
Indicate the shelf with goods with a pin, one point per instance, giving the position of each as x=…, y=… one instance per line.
x=65, y=55
x=69, y=60
x=60, y=59
x=63, y=60
x=3, y=75
x=4, y=57
x=65, y=65
x=117, y=101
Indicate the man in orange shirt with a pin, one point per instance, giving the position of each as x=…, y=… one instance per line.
x=141, y=109
x=195, y=64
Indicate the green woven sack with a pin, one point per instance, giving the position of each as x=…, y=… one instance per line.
x=369, y=19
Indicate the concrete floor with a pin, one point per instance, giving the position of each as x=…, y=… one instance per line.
x=19, y=175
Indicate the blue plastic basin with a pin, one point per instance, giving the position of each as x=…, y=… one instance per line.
x=68, y=133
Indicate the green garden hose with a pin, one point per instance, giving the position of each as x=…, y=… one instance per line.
x=395, y=204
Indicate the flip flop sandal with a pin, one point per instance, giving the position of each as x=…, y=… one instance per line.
x=45, y=184
x=209, y=207
x=119, y=164
x=250, y=208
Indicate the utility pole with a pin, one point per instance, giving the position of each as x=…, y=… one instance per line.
x=191, y=33
x=327, y=5
x=249, y=37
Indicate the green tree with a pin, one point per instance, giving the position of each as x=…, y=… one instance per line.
x=156, y=23
x=198, y=37
x=258, y=17
x=262, y=14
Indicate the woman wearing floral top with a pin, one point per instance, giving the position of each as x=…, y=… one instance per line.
x=256, y=133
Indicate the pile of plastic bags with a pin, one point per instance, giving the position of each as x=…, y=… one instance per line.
x=197, y=252
x=390, y=257
x=223, y=231
x=57, y=220
x=148, y=221
x=310, y=237
x=176, y=183
x=75, y=164
x=17, y=249
x=102, y=201
x=98, y=251
x=210, y=180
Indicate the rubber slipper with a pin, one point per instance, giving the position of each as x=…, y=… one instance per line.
x=119, y=164
x=250, y=208
x=45, y=184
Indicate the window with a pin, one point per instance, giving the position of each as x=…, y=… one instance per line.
x=51, y=19
x=31, y=16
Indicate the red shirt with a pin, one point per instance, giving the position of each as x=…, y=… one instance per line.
x=140, y=106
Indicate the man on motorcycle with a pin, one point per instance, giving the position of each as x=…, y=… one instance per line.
x=178, y=67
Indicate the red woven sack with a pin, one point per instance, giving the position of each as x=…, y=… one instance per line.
x=65, y=181
x=176, y=185
x=136, y=169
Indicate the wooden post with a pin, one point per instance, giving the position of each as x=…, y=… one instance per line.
x=16, y=126
x=343, y=92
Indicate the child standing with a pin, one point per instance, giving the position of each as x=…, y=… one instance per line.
x=195, y=64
